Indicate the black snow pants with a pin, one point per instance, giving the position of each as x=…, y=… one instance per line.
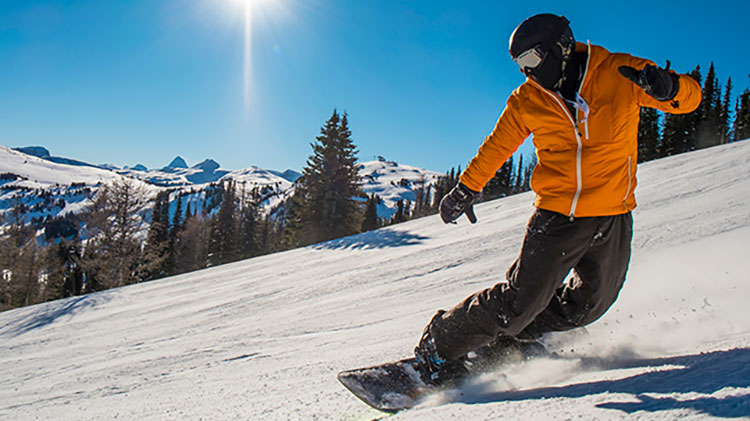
x=535, y=299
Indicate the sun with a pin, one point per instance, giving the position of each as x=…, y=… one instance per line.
x=249, y=2
x=250, y=6
x=252, y=3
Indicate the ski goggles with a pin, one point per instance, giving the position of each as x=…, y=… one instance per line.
x=529, y=59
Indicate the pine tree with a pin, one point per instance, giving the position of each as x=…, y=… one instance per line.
x=422, y=197
x=19, y=261
x=112, y=257
x=155, y=253
x=502, y=184
x=224, y=243
x=248, y=220
x=69, y=254
x=292, y=224
x=8, y=250
x=371, y=220
x=51, y=276
x=709, y=127
x=648, y=135
x=268, y=235
x=425, y=205
x=681, y=130
x=191, y=252
x=442, y=187
x=741, y=126
x=325, y=199
x=178, y=217
x=725, y=115
x=178, y=222
x=518, y=177
x=400, y=215
x=27, y=274
x=674, y=135
x=527, y=173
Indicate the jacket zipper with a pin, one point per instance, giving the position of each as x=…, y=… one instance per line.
x=630, y=181
x=579, y=150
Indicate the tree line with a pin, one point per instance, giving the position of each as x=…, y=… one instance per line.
x=131, y=237
x=718, y=120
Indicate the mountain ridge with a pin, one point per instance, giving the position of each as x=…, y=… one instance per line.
x=51, y=188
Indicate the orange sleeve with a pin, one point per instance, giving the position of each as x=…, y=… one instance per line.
x=508, y=135
x=688, y=97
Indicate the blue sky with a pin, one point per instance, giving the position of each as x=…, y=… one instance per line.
x=142, y=81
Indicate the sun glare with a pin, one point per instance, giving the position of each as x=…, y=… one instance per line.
x=250, y=10
x=248, y=56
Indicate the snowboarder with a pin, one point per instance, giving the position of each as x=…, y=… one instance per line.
x=582, y=104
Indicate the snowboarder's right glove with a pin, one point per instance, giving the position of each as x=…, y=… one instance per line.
x=657, y=82
x=459, y=200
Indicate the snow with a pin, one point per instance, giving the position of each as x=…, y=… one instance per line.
x=392, y=182
x=264, y=338
x=40, y=185
x=39, y=173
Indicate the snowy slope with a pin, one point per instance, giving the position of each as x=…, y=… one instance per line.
x=38, y=173
x=263, y=338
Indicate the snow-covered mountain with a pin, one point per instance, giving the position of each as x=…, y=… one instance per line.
x=47, y=188
x=208, y=171
x=33, y=172
x=42, y=152
x=50, y=187
x=263, y=339
x=392, y=182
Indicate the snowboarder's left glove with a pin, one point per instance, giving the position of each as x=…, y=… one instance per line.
x=657, y=82
x=459, y=200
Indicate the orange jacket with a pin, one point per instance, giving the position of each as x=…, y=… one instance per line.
x=586, y=164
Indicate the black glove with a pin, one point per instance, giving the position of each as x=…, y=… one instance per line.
x=458, y=201
x=657, y=82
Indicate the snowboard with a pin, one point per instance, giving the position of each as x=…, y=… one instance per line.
x=395, y=386
x=389, y=387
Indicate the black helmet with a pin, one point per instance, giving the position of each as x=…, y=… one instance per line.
x=542, y=45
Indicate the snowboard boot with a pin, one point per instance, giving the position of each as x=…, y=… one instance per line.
x=436, y=370
x=503, y=350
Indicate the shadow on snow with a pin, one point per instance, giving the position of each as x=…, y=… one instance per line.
x=378, y=239
x=698, y=374
x=46, y=314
